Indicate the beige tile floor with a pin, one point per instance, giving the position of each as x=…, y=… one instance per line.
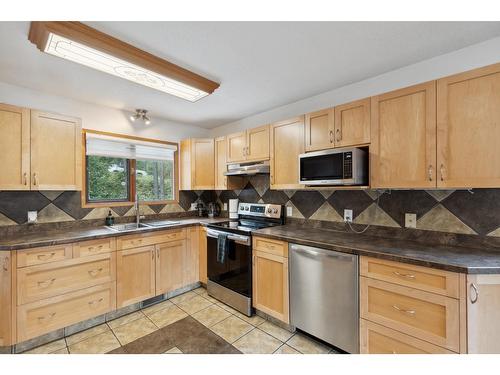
x=248, y=334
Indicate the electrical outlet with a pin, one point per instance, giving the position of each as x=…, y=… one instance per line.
x=193, y=207
x=289, y=211
x=410, y=220
x=348, y=216
x=32, y=216
x=224, y=207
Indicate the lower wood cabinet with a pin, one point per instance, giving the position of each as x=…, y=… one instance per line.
x=377, y=339
x=171, y=258
x=135, y=275
x=159, y=268
x=38, y=318
x=6, y=317
x=270, y=278
x=203, y=255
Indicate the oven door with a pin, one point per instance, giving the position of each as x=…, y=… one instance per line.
x=322, y=168
x=236, y=271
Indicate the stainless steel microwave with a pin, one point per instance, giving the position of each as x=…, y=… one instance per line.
x=344, y=166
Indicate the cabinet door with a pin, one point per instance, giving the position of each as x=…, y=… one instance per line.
x=319, y=130
x=270, y=285
x=170, y=266
x=220, y=163
x=403, y=147
x=6, y=322
x=352, y=123
x=236, y=147
x=483, y=305
x=468, y=130
x=56, y=156
x=135, y=275
x=14, y=148
x=287, y=142
x=192, y=261
x=203, y=255
x=202, y=164
x=258, y=143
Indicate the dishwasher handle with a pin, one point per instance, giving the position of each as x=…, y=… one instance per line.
x=317, y=253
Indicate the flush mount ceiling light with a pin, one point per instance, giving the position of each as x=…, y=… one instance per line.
x=80, y=43
x=141, y=114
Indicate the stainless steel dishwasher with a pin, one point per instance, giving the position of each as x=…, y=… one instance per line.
x=324, y=295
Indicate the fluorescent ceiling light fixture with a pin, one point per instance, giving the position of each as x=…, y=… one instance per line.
x=79, y=43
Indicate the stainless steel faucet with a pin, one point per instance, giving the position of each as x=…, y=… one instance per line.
x=137, y=212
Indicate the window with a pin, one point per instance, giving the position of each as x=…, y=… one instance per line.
x=118, y=168
x=154, y=180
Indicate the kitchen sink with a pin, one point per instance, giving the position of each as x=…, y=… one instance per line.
x=161, y=223
x=126, y=227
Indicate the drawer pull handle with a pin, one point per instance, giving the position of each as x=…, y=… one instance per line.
x=91, y=303
x=406, y=275
x=46, y=283
x=409, y=312
x=45, y=256
x=92, y=248
x=95, y=272
x=476, y=293
x=6, y=264
x=50, y=316
x=136, y=242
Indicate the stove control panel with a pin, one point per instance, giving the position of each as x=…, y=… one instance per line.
x=262, y=210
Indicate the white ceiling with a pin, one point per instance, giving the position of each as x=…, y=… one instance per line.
x=259, y=65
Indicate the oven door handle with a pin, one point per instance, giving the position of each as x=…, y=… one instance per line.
x=245, y=240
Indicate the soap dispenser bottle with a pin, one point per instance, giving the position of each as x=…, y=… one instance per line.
x=110, y=220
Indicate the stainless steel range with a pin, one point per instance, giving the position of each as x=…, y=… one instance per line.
x=229, y=253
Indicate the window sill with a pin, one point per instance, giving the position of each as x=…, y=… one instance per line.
x=125, y=204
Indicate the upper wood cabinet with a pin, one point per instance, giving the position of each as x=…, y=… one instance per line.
x=197, y=164
x=56, y=152
x=249, y=145
x=39, y=151
x=468, y=129
x=224, y=182
x=14, y=148
x=352, y=123
x=287, y=142
x=403, y=138
x=319, y=130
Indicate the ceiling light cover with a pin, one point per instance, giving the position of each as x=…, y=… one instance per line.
x=93, y=58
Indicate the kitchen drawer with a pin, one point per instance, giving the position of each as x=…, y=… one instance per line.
x=377, y=339
x=427, y=316
x=270, y=246
x=49, y=280
x=93, y=247
x=44, y=316
x=42, y=255
x=146, y=239
x=423, y=278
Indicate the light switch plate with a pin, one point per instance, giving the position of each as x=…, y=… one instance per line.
x=224, y=207
x=32, y=216
x=348, y=216
x=289, y=211
x=410, y=220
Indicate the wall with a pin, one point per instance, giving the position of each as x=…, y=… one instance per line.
x=450, y=211
x=471, y=57
x=98, y=117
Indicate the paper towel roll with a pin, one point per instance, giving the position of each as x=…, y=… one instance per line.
x=233, y=208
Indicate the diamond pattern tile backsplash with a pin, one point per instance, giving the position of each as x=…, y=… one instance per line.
x=460, y=211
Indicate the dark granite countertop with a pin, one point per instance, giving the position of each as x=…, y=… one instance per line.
x=57, y=236
x=451, y=258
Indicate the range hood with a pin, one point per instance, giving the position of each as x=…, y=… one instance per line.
x=247, y=169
